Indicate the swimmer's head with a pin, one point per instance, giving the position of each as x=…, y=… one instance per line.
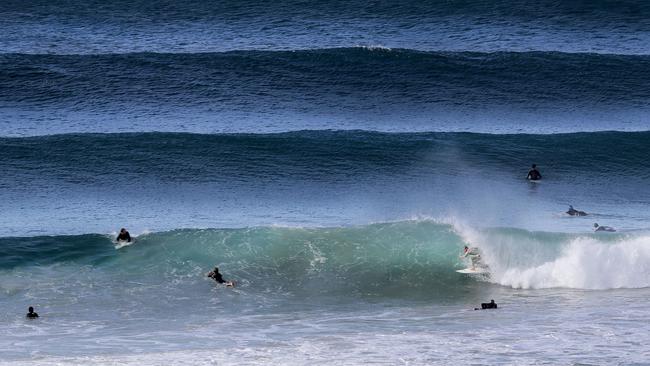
x=595, y=224
x=466, y=247
x=31, y=309
x=122, y=230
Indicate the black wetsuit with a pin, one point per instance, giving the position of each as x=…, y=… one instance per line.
x=32, y=315
x=574, y=212
x=534, y=174
x=217, y=277
x=489, y=305
x=125, y=236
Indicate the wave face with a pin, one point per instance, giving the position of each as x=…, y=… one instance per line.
x=346, y=88
x=416, y=258
x=198, y=26
x=67, y=184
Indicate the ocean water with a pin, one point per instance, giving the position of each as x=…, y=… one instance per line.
x=333, y=159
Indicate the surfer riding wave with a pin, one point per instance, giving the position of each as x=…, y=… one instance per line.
x=474, y=255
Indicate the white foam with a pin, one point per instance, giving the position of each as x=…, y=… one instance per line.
x=587, y=263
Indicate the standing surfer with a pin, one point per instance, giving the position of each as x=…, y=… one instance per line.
x=473, y=255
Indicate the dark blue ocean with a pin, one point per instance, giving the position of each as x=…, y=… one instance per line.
x=332, y=158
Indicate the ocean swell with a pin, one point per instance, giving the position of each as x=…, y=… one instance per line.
x=412, y=258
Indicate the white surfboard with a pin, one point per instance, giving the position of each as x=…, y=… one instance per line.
x=472, y=271
x=123, y=243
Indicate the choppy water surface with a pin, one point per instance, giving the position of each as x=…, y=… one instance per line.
x=333, y=159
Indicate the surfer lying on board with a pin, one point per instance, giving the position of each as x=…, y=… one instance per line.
x=215, y=275
x=573, y=212
x=124, y=235
x=603, y=228
x=473, y=255
x=488, y=305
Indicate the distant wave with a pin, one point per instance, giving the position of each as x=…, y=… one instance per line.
x=353, y=79
x=200, y=26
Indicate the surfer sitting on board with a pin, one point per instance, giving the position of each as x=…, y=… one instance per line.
x=31, y=314
x=215, y=275
x=124, y=235
x=534, y=174
x=473, y=255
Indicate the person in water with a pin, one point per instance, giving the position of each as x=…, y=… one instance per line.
x=31, y=314
x=124, y=235
x=473, y=255
x=573, y=212
x=488, y=305
x=534, y=174
x=215, y=275
x=603, y=228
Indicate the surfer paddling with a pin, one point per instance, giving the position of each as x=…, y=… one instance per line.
x=603, y=228
x=215, y=275
x=123, y=236
x=573, y=212
x=488, y=305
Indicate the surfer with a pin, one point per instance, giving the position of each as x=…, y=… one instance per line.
x=487, y=305
x=533, y=173
x=603, y=228
x=31, y=314
x=573, y=212
x=473, y=255
x=215, y=275
x=124, y=235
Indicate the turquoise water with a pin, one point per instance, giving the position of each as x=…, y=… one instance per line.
x=333, y=159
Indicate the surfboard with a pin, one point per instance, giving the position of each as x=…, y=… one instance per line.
x=123, y=243
x=472, y=271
